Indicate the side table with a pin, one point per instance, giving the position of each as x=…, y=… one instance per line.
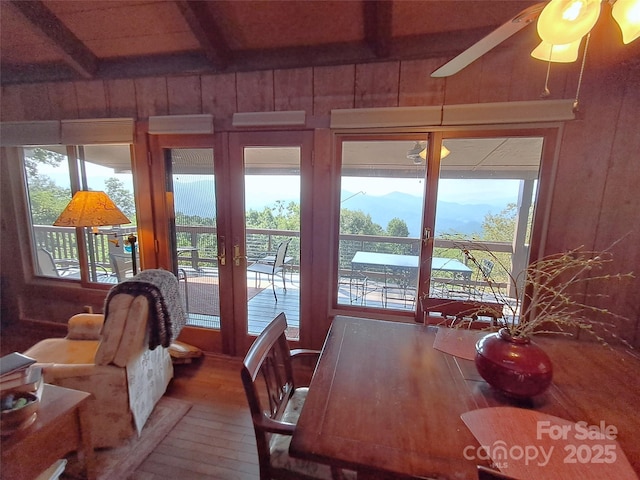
x=61, y=426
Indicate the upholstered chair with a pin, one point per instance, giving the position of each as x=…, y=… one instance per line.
x=113, y=361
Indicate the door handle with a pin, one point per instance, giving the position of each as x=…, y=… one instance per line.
x=222, y=252
x=236, y=255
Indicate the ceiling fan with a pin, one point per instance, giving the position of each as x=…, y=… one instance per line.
x=561, y=24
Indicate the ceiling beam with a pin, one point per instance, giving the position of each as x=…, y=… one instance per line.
x=207, y=31
x=74, y=52
x=377, y=26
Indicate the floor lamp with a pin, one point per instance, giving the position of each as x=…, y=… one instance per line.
x=95, y=209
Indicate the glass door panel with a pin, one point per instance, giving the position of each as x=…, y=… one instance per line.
x=272, y=228
x=381, y=204
x=195, y=251
x=486, y=197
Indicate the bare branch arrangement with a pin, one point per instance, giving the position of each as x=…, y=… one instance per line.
x=557, y=294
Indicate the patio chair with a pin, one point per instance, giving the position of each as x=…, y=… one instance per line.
x=275, y=403
x=272, y=268
x=482, y=279
x=403, y=287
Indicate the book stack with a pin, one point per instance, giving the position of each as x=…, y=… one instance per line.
x=19, y=374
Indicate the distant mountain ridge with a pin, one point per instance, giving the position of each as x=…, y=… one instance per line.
x=197, y=199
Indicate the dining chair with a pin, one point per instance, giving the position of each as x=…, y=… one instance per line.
x=275, y=403
x=482, y=279
x=273, y=268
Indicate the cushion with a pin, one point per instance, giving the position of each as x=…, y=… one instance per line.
x=279, y=445
x=85, y=326
x=134, y=339
x=61, y=350
x=183, y=352
x=112, y=328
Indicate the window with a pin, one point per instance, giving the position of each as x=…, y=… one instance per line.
x=52, y=173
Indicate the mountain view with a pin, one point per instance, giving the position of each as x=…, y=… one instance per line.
x=197, y=198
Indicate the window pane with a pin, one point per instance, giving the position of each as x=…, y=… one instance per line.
x=108, y=168
x=49, y=192
x=486, y=196
x=382, y=196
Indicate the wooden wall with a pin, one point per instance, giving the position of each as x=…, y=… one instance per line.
x=595, y=199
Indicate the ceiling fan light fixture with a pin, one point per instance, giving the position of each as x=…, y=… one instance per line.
x=565, y=21
x=557, y=53
x=627, y=14
x=444, y=151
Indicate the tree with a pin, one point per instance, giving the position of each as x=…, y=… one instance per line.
x=500, y=227
x=358, y=223
x=397, y=228
x=47, y=200
x=122, y=197
x=40, y=156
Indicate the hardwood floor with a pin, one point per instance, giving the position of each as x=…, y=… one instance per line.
x=215, y=439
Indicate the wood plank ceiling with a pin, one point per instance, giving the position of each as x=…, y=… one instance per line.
x=55, y=40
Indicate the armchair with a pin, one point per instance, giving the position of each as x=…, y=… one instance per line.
x=113, y=361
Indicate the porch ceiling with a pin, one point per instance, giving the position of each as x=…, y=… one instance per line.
x=478, y=158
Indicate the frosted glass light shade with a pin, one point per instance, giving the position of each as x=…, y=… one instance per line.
x=91, y=209
x=627, y=14
x=565, y=21
x=557, y=53
x=444, y=151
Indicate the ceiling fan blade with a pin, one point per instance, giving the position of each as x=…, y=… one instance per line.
x=499, y=35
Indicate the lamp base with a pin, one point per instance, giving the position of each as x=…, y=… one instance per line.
x=131, y=239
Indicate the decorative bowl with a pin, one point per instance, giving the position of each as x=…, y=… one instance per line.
x=19, y=410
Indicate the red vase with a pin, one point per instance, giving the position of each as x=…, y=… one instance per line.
x=515, y=366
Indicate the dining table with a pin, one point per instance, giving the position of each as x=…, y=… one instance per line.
x=404, y=400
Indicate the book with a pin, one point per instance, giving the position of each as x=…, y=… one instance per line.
x=14, y=362
x=28, y=382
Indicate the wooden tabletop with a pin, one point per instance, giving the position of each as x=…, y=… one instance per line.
x=384, y=401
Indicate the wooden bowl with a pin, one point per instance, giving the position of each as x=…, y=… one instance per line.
x=21, y=417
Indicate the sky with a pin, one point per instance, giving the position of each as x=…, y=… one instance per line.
x=494, y=192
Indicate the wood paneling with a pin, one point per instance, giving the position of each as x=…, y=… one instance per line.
x=121, y=98
x=333, y=87
x=293, y=89
x=219, y=97
x=12, y=107
x=92, y=99
x=151, y=96
x=63, y=100
x=184, y=95
x=417, y=88
x=377, y=85
x=255, y=91
x=35, y=102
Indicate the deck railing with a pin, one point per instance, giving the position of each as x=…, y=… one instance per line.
x=61, y=243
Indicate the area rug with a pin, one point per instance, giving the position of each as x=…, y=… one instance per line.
x=121, y=462
x=204, y=295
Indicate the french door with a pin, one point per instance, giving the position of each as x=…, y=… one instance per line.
x=222, y=205
x=267, y=247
